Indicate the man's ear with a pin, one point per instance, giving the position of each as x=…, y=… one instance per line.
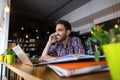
x=68, y=32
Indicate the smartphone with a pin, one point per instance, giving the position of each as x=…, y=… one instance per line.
x=55, y=37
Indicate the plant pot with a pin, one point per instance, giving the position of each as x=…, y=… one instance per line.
x=112, y=53
x=10, y=58
x=1, y=58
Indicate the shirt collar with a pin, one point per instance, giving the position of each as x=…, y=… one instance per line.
x=68, y=43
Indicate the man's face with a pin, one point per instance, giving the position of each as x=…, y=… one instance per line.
x=61, y=32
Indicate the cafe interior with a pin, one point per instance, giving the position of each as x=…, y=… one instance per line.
x=35, y=20
x=29, y=23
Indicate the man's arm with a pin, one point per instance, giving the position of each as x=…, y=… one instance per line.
x=45, y=56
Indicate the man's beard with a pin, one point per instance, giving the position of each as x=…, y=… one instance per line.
x=63, y=38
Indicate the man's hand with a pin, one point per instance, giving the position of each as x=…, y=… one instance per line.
x=46, y=58
x=52, y=38
x=78, y=54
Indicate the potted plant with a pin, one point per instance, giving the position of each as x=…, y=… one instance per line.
x=100, y=37
x=9, y=56
x=109, y=42
x=1, y=57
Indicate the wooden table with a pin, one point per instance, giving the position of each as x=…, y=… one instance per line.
x=44, y=73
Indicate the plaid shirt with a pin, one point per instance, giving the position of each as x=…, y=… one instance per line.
x=73, y=46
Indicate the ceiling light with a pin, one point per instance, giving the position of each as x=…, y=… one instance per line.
x=48, y=32
x=37, y=37
x=36, y=30
x=116, y=26
x=91, y=32
x=22, y=28
x=7, y=9
x=26, y=36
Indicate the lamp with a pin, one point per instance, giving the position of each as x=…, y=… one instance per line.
x=7, y=9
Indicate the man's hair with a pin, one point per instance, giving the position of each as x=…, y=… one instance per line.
x=65, y=23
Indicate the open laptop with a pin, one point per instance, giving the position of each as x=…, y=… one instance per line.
x=24, y=58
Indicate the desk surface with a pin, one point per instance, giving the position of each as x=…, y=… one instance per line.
x=44, y=73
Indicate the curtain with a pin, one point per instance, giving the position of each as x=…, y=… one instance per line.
x=4, y=21
x=5, y=28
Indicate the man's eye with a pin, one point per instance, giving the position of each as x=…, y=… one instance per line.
x=60, y=30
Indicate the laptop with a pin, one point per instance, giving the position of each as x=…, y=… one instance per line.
x=24, y=58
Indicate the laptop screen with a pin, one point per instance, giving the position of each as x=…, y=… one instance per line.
x=21, y=55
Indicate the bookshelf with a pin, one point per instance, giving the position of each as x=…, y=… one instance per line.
x=29, y=45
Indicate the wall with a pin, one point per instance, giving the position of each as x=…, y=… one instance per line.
x=94, y=12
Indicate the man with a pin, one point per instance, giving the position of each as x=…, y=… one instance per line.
x=60, y=43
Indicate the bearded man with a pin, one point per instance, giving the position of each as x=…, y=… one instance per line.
x=60, y=43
